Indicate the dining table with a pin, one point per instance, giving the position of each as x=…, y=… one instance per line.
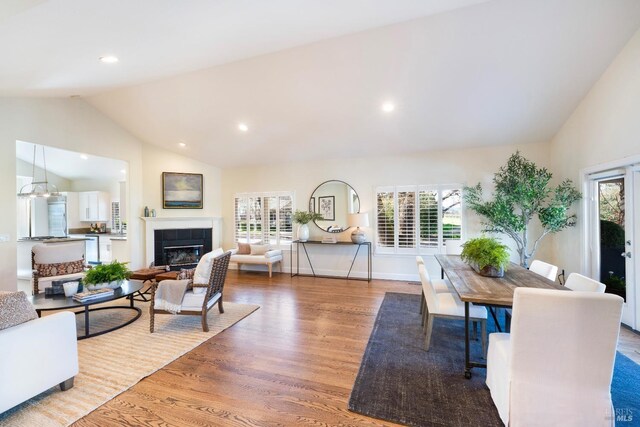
x=492, y=292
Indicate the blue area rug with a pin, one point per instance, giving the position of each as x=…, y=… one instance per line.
x=398, y=381
x=625, y=391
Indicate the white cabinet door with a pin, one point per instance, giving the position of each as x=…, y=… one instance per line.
x=94, y=206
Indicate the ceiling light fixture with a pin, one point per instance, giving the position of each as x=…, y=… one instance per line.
x=38, y=188
x=108, y=59
x=388, y=107
x=182, y=144
x=243, y=127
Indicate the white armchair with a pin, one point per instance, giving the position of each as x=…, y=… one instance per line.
x=37, y=355
x=556, y=366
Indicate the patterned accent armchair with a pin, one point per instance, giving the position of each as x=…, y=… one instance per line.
x=201, y=297
x=56, y=261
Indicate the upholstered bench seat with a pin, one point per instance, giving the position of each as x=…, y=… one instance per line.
x=269, y=258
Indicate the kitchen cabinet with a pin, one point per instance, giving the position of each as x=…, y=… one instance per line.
x=105, y=248
x=94, y=206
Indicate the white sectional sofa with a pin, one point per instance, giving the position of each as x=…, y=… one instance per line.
x=37, y=355
x=269, y=258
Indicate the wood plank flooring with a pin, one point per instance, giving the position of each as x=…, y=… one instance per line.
x=293, y=362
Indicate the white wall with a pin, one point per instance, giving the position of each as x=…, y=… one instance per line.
x=438, y=167
x=26, y=169
x=605, y=127
x=73, y=124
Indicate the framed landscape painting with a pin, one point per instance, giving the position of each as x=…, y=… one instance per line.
x=182, y=190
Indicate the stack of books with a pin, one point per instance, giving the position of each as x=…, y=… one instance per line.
x=87, y=296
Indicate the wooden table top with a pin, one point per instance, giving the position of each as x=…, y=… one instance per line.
x=472, y=287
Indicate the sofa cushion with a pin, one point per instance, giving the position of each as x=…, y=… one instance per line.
x=244, y=249
x=15, y=309
x=259, y=249
x=203, y=270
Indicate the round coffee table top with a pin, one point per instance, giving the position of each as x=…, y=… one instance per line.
x=60, y=302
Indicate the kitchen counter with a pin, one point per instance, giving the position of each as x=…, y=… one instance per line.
x=53, y=240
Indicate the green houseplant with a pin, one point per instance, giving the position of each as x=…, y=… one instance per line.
x=106, y=276
x=486, y=255
x=303, y=218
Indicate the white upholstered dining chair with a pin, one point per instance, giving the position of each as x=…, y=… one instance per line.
x=447, y=305
x=556, y=368
x=578, y=282
x=453, y=247
x=544, y=269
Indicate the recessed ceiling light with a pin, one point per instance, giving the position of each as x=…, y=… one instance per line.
x=243, y=127
x=84, y=157
x=388, y=107
x=182, y=144
x=109, y=59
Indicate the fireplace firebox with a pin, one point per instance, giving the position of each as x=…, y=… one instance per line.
x=181, y=248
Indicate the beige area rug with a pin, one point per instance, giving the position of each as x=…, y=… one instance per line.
x=114, y=362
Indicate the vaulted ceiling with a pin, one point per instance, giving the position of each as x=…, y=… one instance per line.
x=309, y=82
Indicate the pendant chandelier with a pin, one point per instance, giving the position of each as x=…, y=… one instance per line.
x=38, y=188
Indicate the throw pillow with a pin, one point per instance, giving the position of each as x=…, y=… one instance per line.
x=203, y=269
x=15, y=309
x=60, y=268
x=244, y=249
x=259, y=249
x=186, y=274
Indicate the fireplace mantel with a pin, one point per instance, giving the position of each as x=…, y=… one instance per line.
x=164, y=223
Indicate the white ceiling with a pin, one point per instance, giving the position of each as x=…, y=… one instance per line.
x=499, y=72
x=51, y=47
x=308, y=76
x=70, y=164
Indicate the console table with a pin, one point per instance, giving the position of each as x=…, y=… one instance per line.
x=298, y=243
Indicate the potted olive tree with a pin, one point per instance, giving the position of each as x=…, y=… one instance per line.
x=486, y=255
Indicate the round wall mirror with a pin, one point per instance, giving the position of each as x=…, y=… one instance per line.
x=334, y=200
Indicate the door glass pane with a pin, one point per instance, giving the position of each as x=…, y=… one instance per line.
x=611, y=207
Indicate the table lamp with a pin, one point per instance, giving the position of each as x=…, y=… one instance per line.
x=358, y=220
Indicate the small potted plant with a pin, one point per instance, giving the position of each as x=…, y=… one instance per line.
x=303, y=218
x=486, y=255
x=106, y=276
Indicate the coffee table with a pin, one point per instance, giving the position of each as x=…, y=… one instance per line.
x=60, y=302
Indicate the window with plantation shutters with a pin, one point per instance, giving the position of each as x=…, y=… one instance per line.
x=263, y=218
x=417, y=219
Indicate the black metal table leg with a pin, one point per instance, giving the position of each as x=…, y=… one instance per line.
x=353, y=261
x=467, y=357
x=495, y=318
x=86, y=320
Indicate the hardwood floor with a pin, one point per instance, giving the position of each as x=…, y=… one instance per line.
x=293, y=362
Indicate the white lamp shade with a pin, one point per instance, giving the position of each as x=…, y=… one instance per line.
x=359, y=219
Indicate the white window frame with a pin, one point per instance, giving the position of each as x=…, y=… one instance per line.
x=416, y=250
x=280, y=244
